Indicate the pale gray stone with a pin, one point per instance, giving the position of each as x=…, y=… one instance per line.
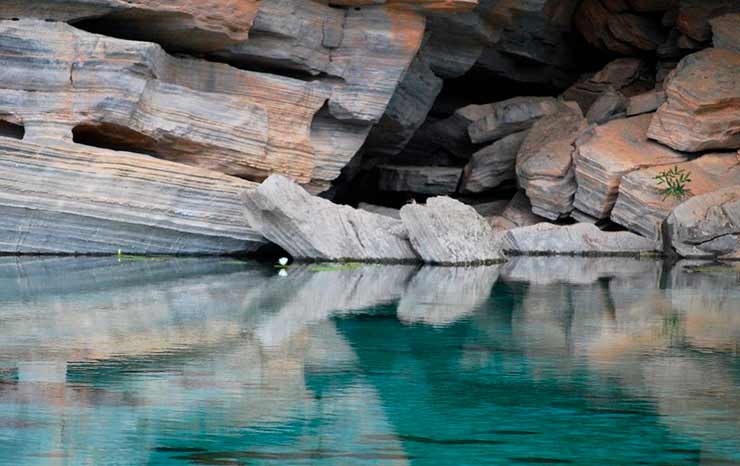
x=577, y=239
x=492, y=165
x=446, y=231
x=309, y=227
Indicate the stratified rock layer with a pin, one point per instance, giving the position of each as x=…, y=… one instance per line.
x=642, y=206
x=78, y=200
x=509, y=116
x=309, y=227
x=446, y=231
x=606, y=153
x=578, y=239
x=544, y=164
x=492, y=165
x=418, y=179
x=702, y=110
x=707, y=225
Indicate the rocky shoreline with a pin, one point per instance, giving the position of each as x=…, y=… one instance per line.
x=464, y=131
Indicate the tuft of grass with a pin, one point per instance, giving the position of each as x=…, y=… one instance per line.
x=674, y=183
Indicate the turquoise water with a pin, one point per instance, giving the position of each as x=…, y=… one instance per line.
x=220, y=362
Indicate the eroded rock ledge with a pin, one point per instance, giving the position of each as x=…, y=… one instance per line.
x=138, y=125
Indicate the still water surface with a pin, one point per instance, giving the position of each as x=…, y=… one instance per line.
x=219, y=362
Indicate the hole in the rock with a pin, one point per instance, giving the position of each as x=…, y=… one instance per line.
x=114, y=137
x=11, y=130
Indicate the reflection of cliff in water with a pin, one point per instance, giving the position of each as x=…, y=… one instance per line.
x=160, y=342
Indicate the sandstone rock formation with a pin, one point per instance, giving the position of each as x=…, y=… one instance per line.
x=309, y=227
x=702, y=110
x=492, y=165
x=606, y=153
x=578, y=239
x=544, y=163
x=707, y=225
x=509, y=116
x=726, y=31
x=641, y=205
x=78, y=200
x=446, y=231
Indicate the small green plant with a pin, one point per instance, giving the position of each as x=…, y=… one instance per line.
x=674, y=183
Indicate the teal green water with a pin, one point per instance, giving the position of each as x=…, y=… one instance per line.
x=218, y=362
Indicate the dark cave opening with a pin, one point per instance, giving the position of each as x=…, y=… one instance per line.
x=11, y=130
x=114, y=137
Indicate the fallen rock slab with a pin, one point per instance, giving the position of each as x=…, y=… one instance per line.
x=606, y=153
x=707, y=225
x=578, y=239
x=82, y=200
x=641, y=205
x=492, y=165
x=510, y=116
x=544, y=164
x=702, y=110
x=311, y=228
x=446, y=231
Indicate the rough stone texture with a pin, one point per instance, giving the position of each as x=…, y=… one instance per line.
x=492, y=165
x=606, y=153
x=452, y=132
x=694, y=16
x=309, y=227
x=193, y=112
x=446, y=231
x=726, y=32
x=518, y=213
x=646, y=102
x=441, y=295
x=380, y=210
x=418, y=179
x=201, y=25
x=510, y=116
x=75, y=199
x=544, y=165
x=641, y=206
x=578, y=239
x=702, y=110
x=609, y=106
x=624, y=75
x=707, y=225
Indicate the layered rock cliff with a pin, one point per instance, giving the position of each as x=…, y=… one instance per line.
x=141, y=125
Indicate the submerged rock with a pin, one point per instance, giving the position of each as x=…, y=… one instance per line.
x=578, y=239
x=446, y=231
x=309, y=227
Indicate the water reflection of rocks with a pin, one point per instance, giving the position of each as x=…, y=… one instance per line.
x=665, y=332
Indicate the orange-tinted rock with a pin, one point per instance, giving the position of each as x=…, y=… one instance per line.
x=607, y=153
x=201, y=25
x=702, y=110
x=641, y=205
x=726, y=32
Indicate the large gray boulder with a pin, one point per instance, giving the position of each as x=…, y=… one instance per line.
x=309, y=227
x=578, y=239
x=707, y=225
x=446, y=231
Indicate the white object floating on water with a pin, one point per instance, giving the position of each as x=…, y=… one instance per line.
x=283, y=273
x=283, y=261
